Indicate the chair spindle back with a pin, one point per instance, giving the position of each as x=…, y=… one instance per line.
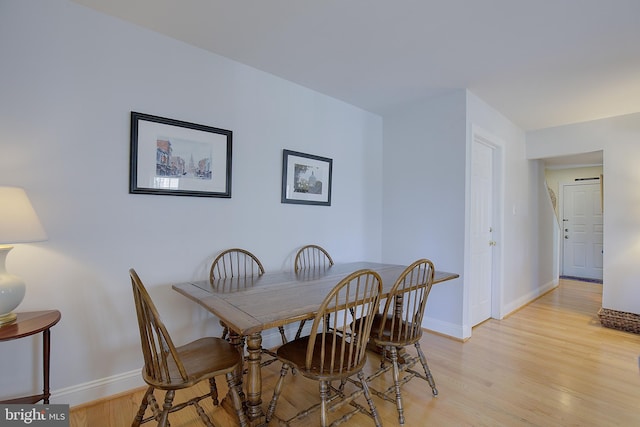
x=161, y=360
x=312, y=256
x=235, y=263
x=404, y=308
x=342, y=349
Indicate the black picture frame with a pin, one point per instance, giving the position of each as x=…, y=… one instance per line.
x=306, y=178
x=177, y=158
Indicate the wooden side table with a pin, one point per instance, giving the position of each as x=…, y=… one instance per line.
x=31, y=323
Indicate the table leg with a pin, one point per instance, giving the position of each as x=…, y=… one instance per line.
x=238, y=342
x=254, y=380
x=46, y=352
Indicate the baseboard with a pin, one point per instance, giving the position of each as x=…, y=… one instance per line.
x=529, y=297
x=443, y=328
x=98, y=389
x=582, y=279
x=101, y=388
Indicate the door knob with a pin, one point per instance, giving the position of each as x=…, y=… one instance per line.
x=492, y=243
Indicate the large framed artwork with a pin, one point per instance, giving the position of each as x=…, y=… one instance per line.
x=306, y=179
x=172, y=157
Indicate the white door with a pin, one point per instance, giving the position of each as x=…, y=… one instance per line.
x=582, y=231
x=480, y=280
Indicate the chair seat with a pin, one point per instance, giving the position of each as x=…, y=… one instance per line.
x=295, y=353
x=389, y=336
x=202, y=359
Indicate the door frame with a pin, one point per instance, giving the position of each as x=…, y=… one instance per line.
x=477, y=134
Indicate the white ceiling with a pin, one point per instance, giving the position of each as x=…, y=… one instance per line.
x=542, y=63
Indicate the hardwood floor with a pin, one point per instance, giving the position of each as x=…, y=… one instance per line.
x=549, y=364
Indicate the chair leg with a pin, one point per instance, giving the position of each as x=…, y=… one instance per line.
x=276, y=393
x=282, y=335
x=213, y=391
x=302, y=322
x=367, y=395
x=143, y=408
x=383, y=357
x=155, y=408
x=237, y=400
x=168, y=402
x=225, y=330
x=203, y=415
x=427, y=372
x=396, y=382
x=324, y=397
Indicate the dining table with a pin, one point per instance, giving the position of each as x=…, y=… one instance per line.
x=250, y=305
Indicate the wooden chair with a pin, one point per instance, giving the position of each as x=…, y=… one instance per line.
x=400, y=325
x=307, y=258
x=171, y=368
x=312, y=256
x=327, y=355
x=237, y=262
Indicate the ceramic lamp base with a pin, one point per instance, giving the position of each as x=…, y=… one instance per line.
x=12, y=289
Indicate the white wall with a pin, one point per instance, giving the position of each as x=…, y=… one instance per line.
x=546, y=234
x=424, y=204
x=618, y=137
x=70, y=77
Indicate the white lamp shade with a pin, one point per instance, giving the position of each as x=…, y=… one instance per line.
x=18, y=220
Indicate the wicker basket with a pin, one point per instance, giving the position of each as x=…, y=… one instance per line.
x=621, y=320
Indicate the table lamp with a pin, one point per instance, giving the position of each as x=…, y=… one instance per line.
x=18, y=224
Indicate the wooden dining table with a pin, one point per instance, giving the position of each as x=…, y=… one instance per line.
x=253, y=304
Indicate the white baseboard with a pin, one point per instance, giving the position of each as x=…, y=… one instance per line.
x=527, y=298
x=126, y=381
x=98, y=389
x=444, y=328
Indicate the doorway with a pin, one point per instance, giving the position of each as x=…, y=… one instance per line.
x=580, y=168
x=582, y=230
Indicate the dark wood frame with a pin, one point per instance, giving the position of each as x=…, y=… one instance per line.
x=143, y=144
x=27, y=324
x=288, y=180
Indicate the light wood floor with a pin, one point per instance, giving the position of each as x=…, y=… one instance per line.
x=548, y=364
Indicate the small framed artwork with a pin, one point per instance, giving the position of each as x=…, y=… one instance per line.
x=306, y=179
x=172, y=157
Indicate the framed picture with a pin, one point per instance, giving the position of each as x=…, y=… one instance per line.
x=176, y=158
x=306, y=179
